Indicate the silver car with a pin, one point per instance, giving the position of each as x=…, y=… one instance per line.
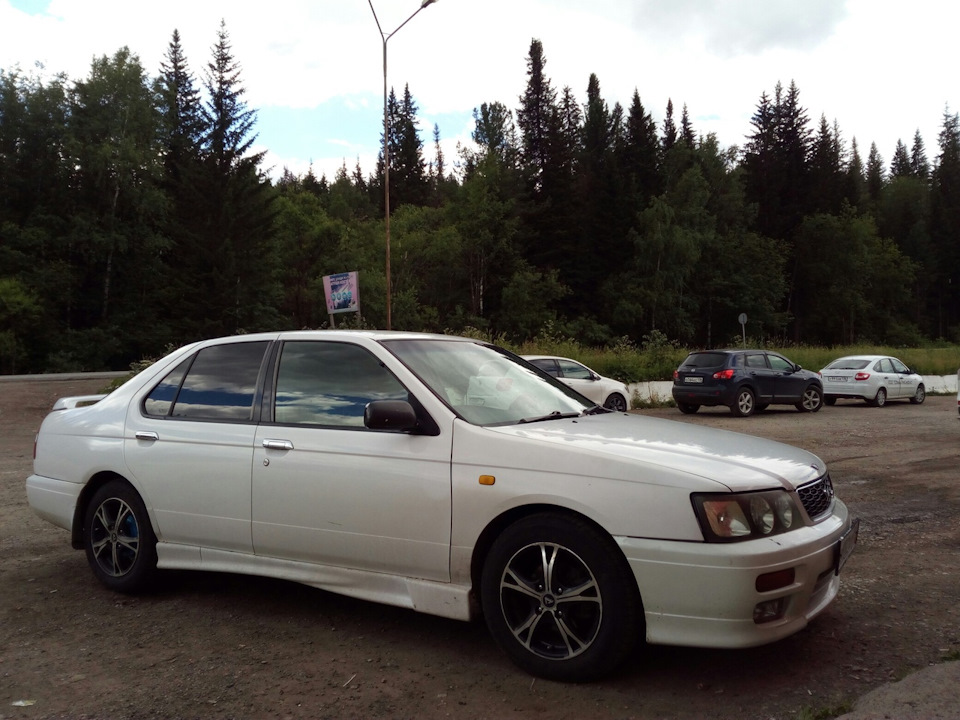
x=873, y=378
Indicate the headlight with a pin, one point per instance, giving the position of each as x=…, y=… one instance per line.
x=726, y=517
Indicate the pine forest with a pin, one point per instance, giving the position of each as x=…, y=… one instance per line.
x=135, y=216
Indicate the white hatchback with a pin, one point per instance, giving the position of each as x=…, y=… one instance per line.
x=873, y=378
x=445, y=475
x=604, y=391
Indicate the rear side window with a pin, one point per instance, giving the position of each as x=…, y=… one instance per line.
x=548, y=365
x=705, y=360
x=220, y=384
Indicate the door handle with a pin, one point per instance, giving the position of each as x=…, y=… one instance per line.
x=277, y=444
x=146, y=435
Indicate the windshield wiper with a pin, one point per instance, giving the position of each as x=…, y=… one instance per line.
x=555, y=415
x=596, y=410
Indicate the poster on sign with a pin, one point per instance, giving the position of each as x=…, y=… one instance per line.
x=342, y=292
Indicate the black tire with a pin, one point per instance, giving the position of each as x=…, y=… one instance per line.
x=559, y=599
x=687, y=409
x=120, y=544
x=830, y=400
x=745, y=403
x=616, y=402
x=812, y=400
x=920, y=395
x=761, y=407
x=881, y=398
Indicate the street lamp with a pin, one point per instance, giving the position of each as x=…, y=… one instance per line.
x=386, y=137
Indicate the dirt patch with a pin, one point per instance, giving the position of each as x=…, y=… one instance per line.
x=210, y=645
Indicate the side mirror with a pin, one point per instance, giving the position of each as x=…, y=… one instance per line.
x=389, y=415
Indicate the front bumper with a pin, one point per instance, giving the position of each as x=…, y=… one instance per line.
x=704, y=594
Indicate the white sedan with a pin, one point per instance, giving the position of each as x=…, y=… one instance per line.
x=444, y=475
x=874, y=378
x=602, y=390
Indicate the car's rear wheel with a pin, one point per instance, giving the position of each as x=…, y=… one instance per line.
x=616, y=402
x=880, y=399
x=687, y=409
x=120, y=544
x=745, y=403
x=559, y=598
x=919, y=396
x=811, y=401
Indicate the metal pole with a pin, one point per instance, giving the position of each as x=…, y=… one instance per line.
x=386, y=142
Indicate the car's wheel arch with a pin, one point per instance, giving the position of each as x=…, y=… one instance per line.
x=497, y=525
x=97, y=481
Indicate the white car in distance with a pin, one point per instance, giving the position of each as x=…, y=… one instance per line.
x=604, y=391
x=444, y=475
x=873, y=378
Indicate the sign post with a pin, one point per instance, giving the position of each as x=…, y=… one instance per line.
x=342, y=293
x=742, y=319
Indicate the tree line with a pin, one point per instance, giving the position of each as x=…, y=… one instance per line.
x=134, y=216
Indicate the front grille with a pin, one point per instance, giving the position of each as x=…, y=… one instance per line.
x=817, y=497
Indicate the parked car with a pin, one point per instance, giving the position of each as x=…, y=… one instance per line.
x=447, y=476
x=604, y=391
x=746, y=381
x=873, y=378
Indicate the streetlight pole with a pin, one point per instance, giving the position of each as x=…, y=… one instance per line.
x=386, y=138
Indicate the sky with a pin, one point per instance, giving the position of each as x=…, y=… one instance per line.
x=313, y=69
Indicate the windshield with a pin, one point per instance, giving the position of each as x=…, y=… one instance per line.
x=848, y=364
x=486, y=385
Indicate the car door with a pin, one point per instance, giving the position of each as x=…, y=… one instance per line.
x=761, y=375
x=581, y=379
x=888, y=378
x=789, y=383
x=189, y=446
x=328, y=490
x=908, y=380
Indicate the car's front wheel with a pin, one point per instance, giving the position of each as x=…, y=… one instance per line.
x=919, y=396
x=745, y=403
x=616, y=402
x=559, y=598
x=811, y=401
x=120, y=544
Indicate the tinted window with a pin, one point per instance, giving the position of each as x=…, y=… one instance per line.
x=574, y=370
x=756, y=361
x=221, y=383
x=160, y=400
x=779, y=363
x=548, y=365
x=848, y=364
x=326, y=383
x=705, y=360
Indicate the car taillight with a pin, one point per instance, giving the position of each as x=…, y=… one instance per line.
x=723, y=374
x=862, y=376
x=676, y=374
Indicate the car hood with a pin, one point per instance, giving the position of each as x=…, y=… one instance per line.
x=704, y=455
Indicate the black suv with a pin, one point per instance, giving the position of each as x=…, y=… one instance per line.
x=746, y=381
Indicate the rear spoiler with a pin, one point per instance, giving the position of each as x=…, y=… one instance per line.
x=68, y=403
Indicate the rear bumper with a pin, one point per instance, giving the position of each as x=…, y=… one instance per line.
x=704, y=594
x=53, y=500
x=700, y=395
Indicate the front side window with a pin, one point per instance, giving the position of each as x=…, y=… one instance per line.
x=899, y=366
x=575, y=370
x=779, y=363
x=330, y=384
x=220, y=384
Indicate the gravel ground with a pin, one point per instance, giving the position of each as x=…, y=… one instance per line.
x=225, y=646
